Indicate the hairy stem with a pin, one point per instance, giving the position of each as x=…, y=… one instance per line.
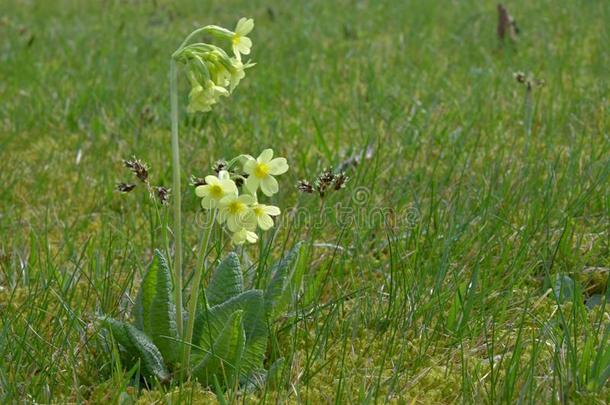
x=199, y=270
x=173, y=85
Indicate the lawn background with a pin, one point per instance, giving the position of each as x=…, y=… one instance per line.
x=451, y=305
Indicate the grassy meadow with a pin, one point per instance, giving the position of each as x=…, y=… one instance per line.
x=466, y=260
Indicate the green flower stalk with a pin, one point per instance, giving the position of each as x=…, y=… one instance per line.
x=177, y=270
x=212, y=74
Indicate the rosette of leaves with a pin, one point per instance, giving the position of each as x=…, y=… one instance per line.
x=231, y=333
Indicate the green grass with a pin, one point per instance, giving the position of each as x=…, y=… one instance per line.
x=452, y=305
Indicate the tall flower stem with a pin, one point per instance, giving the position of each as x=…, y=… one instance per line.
x=173, y=97
x=199, y=270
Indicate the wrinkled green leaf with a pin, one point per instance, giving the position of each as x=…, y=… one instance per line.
x=214, y=319
x=223, y=358
x=281, y=273
x=138, y=346
x=117, y=328
x=226, y=282
x=141, y=309
x=162, y=315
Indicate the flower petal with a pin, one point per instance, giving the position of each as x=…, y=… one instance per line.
x=211, y=180
x=278, y=166
x=202, y=191
x=252, y=183
x=208, y=203
x=246, y=199
x=244, y=45
x=239, y=237
x=250, y=165
x=265, y=222
x=248, y=220
x=271, y=210
x=269, y=186
x=244, y=26
x=265, y=156
x=233, y=223
x=226, y=200
x=243, y=49
x=251, y=237
x=228, y=186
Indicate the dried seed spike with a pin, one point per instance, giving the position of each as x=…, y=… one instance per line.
x=196, y=181
x=163, y=194
x=529, y=81
x=326, y=177
x=305, y=187
x=340, y=181
x=220, y=165
x=137, y=167
x=124, y=187
x=520, y=77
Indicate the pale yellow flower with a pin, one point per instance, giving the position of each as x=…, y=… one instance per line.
x=244, y=235
x=261, y=171
x=237, y=212
x=241, y=43
x=202, y=98
x=263, y=215
x=238, y=73
x=215, y=189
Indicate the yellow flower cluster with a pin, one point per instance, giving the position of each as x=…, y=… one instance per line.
x=211, y=71
x=241, y=212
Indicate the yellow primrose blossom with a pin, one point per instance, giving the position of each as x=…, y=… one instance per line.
x=215, y=189
x=261, y=171
x=241, y=43
x=264, y=213
x=203, y=98
x=238, y=73
x=237, y=212
x=244, y=235
x=210, y=69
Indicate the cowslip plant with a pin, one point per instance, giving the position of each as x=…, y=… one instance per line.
x=225, y=336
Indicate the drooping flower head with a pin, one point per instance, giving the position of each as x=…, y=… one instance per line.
x=210, y=69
